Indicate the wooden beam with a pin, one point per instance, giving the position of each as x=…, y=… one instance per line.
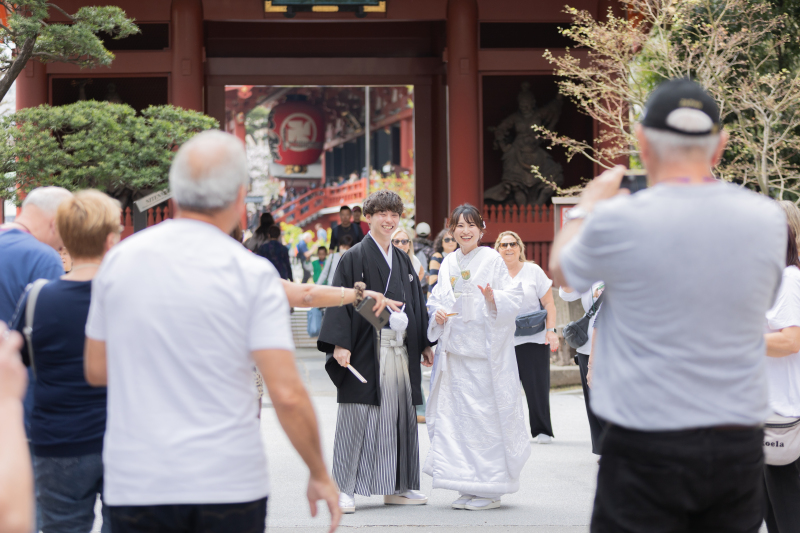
x=141, y=62
x=324, y=66
x=531, y=60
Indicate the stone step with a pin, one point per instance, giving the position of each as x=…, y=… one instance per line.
x=300, y=329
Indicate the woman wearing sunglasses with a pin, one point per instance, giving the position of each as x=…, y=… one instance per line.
x=444, y=244
x=401, y=238
x=533, y=358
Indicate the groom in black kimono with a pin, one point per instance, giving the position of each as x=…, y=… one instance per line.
x=376, y=447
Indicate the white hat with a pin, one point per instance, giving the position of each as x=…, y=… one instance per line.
x=423, y=229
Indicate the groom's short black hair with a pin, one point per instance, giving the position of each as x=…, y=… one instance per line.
x=383, y=201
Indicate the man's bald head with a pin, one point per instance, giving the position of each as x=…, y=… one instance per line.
x=39, y=214
x=208, y=172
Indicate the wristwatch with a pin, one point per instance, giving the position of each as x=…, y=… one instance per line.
x=576, y=213
x=551, y=329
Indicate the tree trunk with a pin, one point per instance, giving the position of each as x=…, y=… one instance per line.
x=764, y=170
x=16, y=67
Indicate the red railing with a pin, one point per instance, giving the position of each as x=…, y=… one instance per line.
x=534, y=225
x=309, y=204
x=156, y=214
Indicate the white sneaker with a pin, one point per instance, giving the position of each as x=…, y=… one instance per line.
x=346, y=503
x=462, y=501
x=409, y=497
x=544, y=439
x=482, y=504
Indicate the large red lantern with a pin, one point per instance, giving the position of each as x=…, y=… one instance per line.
x=297, y=133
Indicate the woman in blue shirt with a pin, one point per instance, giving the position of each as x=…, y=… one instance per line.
x=69, y=416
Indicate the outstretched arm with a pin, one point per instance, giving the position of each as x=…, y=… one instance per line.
x=601, y=188
x=307, y=295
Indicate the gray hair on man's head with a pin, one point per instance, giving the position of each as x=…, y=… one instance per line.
x=667, y=145
x=47, y=199
x=208, y=171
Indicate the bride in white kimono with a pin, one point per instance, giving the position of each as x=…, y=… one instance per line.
x=475, y=415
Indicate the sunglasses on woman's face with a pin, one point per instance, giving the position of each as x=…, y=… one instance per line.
x=448, y=239
x=398, y=242
x=508, y=245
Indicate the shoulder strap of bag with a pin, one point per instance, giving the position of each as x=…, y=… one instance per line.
x=595, y=306
x=30, y=309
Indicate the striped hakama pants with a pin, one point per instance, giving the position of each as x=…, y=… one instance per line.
x=376, y=447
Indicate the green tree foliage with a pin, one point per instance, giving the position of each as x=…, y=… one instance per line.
x=30, y=35
x=95, y=144
x=744, y=52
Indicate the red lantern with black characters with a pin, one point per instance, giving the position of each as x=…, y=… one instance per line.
x=297, y=133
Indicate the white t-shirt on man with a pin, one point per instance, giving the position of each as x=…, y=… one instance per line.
x=181, y=306
x=535, y=284
x=783, y=373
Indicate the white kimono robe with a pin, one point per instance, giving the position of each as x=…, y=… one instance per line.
x=475, y=415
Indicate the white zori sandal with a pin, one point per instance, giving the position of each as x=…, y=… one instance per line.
x=482, y=504
x=462, y=501
x=409, y=497
x=346, y=503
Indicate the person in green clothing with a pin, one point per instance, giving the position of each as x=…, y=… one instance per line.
x=319, y=264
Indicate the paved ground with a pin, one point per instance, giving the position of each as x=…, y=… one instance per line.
x=555, y=496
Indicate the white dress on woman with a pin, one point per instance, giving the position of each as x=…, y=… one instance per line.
x=475, y=414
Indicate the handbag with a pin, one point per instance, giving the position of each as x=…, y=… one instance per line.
x=314, y=322
x=530, y=323
x=781, y=440
x=576, y=333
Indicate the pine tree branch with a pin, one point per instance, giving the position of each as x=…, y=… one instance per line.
x=16, y=67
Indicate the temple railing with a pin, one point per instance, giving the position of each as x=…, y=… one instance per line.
x=309, y=204
x=534, y=225
x=155, y=214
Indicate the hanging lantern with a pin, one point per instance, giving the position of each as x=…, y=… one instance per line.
x=297, y=133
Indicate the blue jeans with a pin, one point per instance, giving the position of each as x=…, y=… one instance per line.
x=67, y=489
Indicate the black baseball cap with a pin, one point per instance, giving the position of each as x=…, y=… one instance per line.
x=682, y=106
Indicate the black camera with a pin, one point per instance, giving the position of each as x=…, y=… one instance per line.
x=634, y=180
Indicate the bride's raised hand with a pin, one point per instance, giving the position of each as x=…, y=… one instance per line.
x=488, y=293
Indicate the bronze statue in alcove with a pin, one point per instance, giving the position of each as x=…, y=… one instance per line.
x=522, y=150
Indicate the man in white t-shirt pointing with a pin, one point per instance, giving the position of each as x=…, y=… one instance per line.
x=179, y=314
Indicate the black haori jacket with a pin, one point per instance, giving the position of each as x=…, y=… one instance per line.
x=343, y=326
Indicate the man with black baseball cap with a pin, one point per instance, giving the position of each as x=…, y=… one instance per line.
x=691, y=265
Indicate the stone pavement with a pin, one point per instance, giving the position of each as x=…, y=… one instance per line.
x=556, y=493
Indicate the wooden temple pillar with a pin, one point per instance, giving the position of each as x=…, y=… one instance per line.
x=463, y=106
x=32, y=85
x=186, y=40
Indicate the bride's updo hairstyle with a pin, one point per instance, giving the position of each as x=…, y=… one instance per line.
x=471, y=215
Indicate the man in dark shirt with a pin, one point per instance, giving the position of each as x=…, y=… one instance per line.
x=346, y=227
x=276, y=253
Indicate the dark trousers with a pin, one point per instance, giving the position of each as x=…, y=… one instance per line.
x=249, y=517
x=782, y=498
x=308, y=272
x=533, y=361
x=596, y=425
x=701, y=480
